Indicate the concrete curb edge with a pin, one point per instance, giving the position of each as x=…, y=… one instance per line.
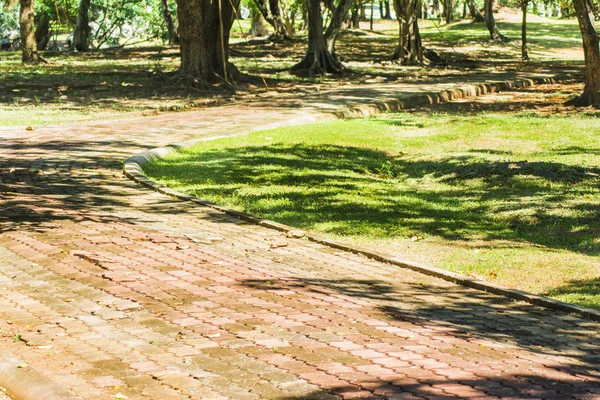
x=24, y=383
x=133, y=169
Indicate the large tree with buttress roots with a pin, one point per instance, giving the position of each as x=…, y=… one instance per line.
x=204, y=28
x=321, y=56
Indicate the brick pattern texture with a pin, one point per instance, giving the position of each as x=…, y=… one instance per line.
x=120, y=292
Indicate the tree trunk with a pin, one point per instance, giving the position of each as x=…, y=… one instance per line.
x=279, y=26
x=258, y=27
x=172, y=36
x=195, y=59
x=42, y=32
x=338, y=14
x=474, y=11
x=318, y=59
x=435, y=9
x=219, y=32
x=288, y=20
x=27, y=28
x=355, y=18
x=272, y=14
x=386, y=7
x=410, y=49
x=81, y=37
x=490, y=22
x=304, y=24
x=524, y=51
x=449, y=10
x=589, y=97
x=204, y=28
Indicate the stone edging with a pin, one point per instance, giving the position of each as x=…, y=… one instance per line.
x=133, y=169
x=427, y=98
x=24, y=383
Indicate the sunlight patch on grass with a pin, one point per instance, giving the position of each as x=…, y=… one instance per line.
x=43, y=115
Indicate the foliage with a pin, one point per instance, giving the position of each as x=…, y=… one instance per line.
x=114, y=22
x=9, y=21
x=117, y=22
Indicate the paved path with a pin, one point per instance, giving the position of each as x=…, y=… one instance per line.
x=119, y=292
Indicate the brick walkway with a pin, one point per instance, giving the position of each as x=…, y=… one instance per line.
x=117, y=292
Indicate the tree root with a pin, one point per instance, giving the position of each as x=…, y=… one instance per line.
x=234, y=75
x=498, y=37
x=583, y=100
x=183, y=83
x=318, y=64
x=178, y=81
x=280, y=38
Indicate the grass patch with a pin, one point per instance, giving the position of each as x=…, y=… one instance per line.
x=508, y=198
x=547, y=35
x=77, y=86
x=43, y=115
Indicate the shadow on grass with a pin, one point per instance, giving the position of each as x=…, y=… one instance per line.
x=577, y=150
x=464, y=318
x=357, y=191
x=583, y=292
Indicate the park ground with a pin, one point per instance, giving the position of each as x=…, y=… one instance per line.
x=491, y=233
x=115, y=291
x=78, y=86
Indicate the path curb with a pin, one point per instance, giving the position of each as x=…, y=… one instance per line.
x=24, y=383
x=133, y=169
x=428, y=98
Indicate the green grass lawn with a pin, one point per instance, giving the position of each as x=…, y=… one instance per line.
x=513, y=199
x=37, y=114
x=550, y=39
x=549, y=34
x=79, y=86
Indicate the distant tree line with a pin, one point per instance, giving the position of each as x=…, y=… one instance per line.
x=202, y=28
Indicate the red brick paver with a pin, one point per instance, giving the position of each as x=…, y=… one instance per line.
x=114, y=289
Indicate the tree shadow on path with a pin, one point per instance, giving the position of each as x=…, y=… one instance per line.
x=515, y=349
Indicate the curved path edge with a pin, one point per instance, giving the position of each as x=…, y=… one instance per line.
x=133, y=169
x=428, y=98
x=24, y=383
